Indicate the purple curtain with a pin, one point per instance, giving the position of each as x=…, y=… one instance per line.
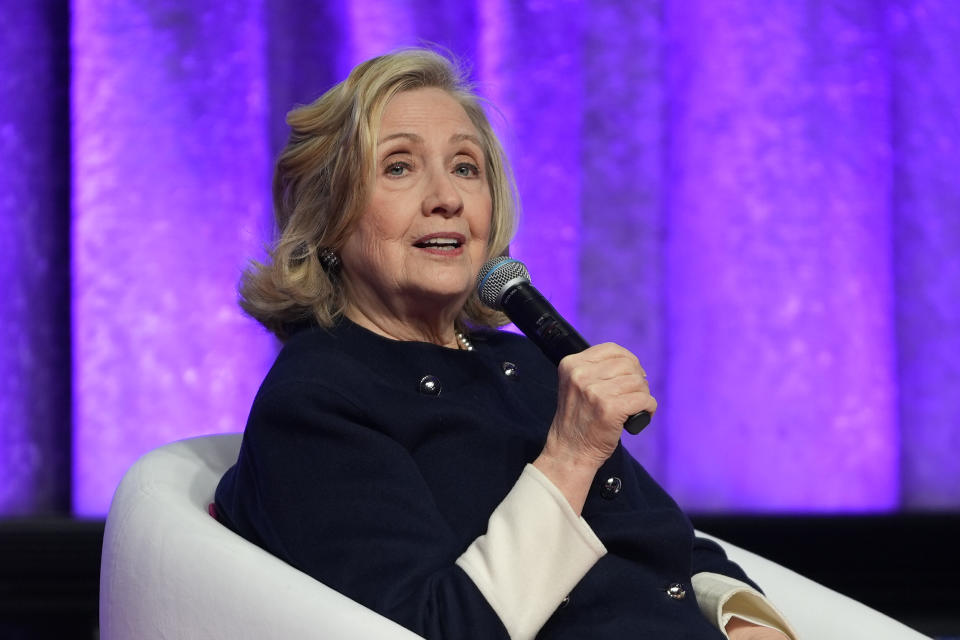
x=758, y=198
x=34, y=258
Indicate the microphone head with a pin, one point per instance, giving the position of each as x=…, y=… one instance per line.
x=497, y=276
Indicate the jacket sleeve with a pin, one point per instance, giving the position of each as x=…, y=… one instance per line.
x=724, y=591
x=319, y=487
x=708, y=557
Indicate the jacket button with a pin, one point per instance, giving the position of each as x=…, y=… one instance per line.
x=676, y=591
x=611, y=487
x=509, y=369
x=430, y=385
x=564, y=602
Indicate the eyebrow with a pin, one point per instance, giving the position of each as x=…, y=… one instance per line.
x=413, y=137
x=460, y=137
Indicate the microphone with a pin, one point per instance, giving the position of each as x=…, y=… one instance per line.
x=504, y=284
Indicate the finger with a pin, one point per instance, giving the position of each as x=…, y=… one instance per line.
x=610, y=353
x=617, y=384
x=632, y=389
x=605, y=351
x=602, y=372
x=614, y=415
x=602, y=366
x=637, y=401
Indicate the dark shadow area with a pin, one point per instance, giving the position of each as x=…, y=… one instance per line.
x=49, y=578
x=903, y=565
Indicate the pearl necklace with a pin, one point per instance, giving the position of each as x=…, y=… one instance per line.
x=463, y=342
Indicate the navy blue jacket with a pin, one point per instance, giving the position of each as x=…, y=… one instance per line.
x=353, y=472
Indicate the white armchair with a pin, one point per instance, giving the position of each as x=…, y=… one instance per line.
x=171, y=571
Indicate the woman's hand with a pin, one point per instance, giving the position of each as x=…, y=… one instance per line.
x=739, y=629
x=599, y=389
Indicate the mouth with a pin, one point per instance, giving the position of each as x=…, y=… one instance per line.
x=442, y=242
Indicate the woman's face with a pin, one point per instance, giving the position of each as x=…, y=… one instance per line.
x=423, y=235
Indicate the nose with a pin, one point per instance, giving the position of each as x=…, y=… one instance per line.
x=442, y=196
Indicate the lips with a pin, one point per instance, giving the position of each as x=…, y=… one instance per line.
x=441, y=241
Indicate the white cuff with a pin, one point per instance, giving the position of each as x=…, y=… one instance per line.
x=536, y=549
x=721, y=598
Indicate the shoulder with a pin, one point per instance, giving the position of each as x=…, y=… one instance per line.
x=314, y=360
x=312, y=346
x=327, y=353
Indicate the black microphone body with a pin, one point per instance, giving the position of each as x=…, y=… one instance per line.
x=536, y=317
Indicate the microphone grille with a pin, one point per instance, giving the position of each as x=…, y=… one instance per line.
x=496, y=276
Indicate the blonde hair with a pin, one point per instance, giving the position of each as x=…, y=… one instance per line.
x=321, y=181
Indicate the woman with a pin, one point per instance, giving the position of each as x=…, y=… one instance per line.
x=455, y=482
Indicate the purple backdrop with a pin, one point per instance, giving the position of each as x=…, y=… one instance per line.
x=925, y=48
x=34, y=258
x=758, y=198
x=171, y=167
x=780, y=336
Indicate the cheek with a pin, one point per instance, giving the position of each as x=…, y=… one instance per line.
x=387, y=221
x=377, y=226
x=482, y=224
x=481, y=208
x=364, y=247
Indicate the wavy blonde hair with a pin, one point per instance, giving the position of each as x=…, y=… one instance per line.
x=321, y=181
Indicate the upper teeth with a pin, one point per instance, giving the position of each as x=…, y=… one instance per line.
x=440, y=241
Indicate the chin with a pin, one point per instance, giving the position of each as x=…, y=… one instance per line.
x=443, y=294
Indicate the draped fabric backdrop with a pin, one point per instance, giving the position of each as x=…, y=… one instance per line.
x=759, y=198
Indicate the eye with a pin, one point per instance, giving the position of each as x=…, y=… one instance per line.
x=397, y=169
x=466, y=170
